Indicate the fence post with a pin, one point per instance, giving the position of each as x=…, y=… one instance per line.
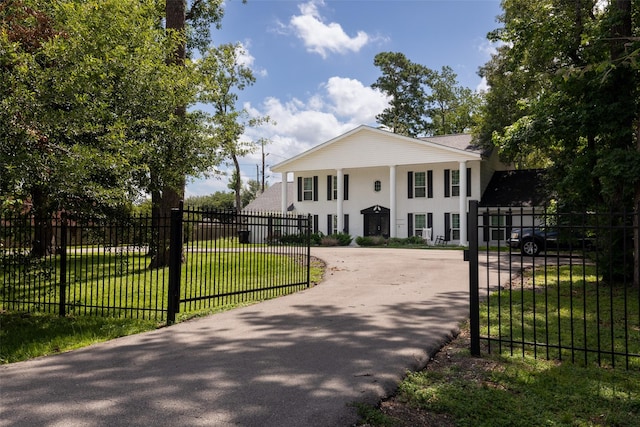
x=474, y=297
x=62, y=303
x=308, y=240
x=175, y=264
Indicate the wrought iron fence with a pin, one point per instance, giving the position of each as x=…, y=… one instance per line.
x=80, y=266
x=557, y=285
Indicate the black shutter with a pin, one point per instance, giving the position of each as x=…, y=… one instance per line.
x=468, y=182
x=410, y=224
x=430, y=184
x=430, y=222
x=299, y=188
x=329, y=224
x=410, y=185
x=486, y=226
x=329, y=187
x=447, y=183
x=346, y=224
x=346, y=187
x=447, y=226
x=316, y=225
x=315, y=188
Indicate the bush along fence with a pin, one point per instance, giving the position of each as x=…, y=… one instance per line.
x=151, y=268
x=556, y=285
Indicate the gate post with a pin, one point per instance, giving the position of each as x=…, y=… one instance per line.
x=175, y=264
x=474, y=297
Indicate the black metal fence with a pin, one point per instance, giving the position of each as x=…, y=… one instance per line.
x=558, y=286
x=86, y=266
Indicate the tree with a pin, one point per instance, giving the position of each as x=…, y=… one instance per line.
x=216, y=201
x=566, y=82
x=423, y=101
x=223, y=74
x=451, y=108
x=404, y=82
x=80, y=85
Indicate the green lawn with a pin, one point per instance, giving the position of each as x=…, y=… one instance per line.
x=569, y=310
x=122, y=279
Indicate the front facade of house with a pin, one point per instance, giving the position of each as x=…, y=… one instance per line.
x=370, y=182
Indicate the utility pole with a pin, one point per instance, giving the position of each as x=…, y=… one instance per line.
x=263, y=158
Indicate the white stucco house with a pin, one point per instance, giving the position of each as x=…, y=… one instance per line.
x=370, y=182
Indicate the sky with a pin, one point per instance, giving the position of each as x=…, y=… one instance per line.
x=313, y=63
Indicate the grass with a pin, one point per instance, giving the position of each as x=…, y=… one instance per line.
x=522, y=387
x=566, y=313
x=24, y=336
x=118, y=283
x=122, y=279
x=499, y=390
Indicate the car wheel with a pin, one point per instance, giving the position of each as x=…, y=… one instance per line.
x=530, y=247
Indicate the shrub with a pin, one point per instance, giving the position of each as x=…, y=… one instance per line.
x=343, y=239
x=370, y=240
x=329, y=241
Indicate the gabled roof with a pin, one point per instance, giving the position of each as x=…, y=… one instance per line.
x=270, y=200
x=366, y=146
x=516, y=188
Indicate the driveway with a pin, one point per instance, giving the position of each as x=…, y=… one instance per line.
x=298, y=360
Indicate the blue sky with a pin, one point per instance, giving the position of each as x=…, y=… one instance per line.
x=313, y=62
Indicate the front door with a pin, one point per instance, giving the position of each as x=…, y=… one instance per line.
x=376, y=221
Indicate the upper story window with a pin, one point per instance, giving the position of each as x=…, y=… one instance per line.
x=419, y=184
x=307, y=189
x=334, y=186
x=377, y=186
x=455, y=182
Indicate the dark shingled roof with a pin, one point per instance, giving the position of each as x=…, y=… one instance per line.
x=516, y=188
x=270, y=200
x=462, y=141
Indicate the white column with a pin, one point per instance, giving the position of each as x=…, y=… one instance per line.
x=284, y=204
x=463, y=204
x=392, y=201
x=339, y=208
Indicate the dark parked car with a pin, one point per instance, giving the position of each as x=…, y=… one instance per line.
x=532, y=241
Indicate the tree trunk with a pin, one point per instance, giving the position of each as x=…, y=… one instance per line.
x=43, y=236
x=237, y=184
x=168, y=195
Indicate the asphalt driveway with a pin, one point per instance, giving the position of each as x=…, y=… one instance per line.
x=299, y=360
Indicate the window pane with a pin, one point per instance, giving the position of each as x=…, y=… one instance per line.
x=420, y=221
x=497, y=220
x=455, y=221
x=455, y=191
x=455, y=177
x=308, y=184
x=419, y=189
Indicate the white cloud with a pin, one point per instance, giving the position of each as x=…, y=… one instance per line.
x=483, y=86
x=297, y=125
x=324, y=38
x=246, y=59
x=350, y=98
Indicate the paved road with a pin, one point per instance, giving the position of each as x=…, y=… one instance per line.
x=293, y=361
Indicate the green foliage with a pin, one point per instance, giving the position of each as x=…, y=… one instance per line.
x=565, y=93
x=342, y=239
x=217, y=201
x=371, y=241
x=423, y=101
